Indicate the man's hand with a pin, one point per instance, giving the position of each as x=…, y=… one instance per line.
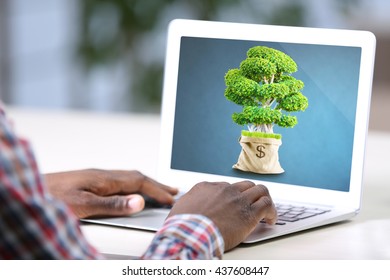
x=236, y=209
x=95, y=192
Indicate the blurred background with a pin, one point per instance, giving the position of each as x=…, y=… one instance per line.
x=108, y=55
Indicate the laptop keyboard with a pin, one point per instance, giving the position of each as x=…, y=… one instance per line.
x=293, y=213
x=286, y=212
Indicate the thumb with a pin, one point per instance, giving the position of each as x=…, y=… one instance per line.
x=117, y=205
x=135, y=203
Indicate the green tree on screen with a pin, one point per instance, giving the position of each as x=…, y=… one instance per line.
x=264, y=87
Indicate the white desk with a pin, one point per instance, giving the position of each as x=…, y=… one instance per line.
x=73, y=140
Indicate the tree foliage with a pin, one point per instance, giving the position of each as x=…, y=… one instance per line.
x=264, y=87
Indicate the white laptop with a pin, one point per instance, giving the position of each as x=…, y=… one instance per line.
x=322, y=156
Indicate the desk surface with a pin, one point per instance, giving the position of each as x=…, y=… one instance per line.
x=65, y=140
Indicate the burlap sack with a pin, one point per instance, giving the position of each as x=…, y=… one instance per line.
x=259, y=155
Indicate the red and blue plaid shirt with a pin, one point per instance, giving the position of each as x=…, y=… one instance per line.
x=34, y=225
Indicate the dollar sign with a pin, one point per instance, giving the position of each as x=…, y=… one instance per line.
x=261, y=153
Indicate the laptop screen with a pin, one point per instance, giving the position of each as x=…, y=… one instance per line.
x=316, y=152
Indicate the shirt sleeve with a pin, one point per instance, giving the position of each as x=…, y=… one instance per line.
x=186, y=237
x=33, y=225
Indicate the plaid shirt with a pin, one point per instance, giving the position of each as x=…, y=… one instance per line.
x=33, y=225
x=186, y=237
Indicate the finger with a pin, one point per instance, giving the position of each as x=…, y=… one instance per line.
x=128, y=182
x=135, y=203
x=265, y=209
x=165, y=188
x=255, y=192
x=243, y=185
x=160, y=192
x=116, y=205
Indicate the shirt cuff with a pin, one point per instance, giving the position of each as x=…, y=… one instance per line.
x=186, y=236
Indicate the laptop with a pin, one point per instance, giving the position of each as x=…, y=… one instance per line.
x=319, y=160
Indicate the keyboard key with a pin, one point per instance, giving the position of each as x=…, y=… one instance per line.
x=293, y=213
x=306, y=215
x=299, y=208
x=283, y=207
x=289, y=215
x=317, y=211
x=279, y=223
x=288, y=219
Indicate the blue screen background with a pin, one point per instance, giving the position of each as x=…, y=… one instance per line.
x=317, y=152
